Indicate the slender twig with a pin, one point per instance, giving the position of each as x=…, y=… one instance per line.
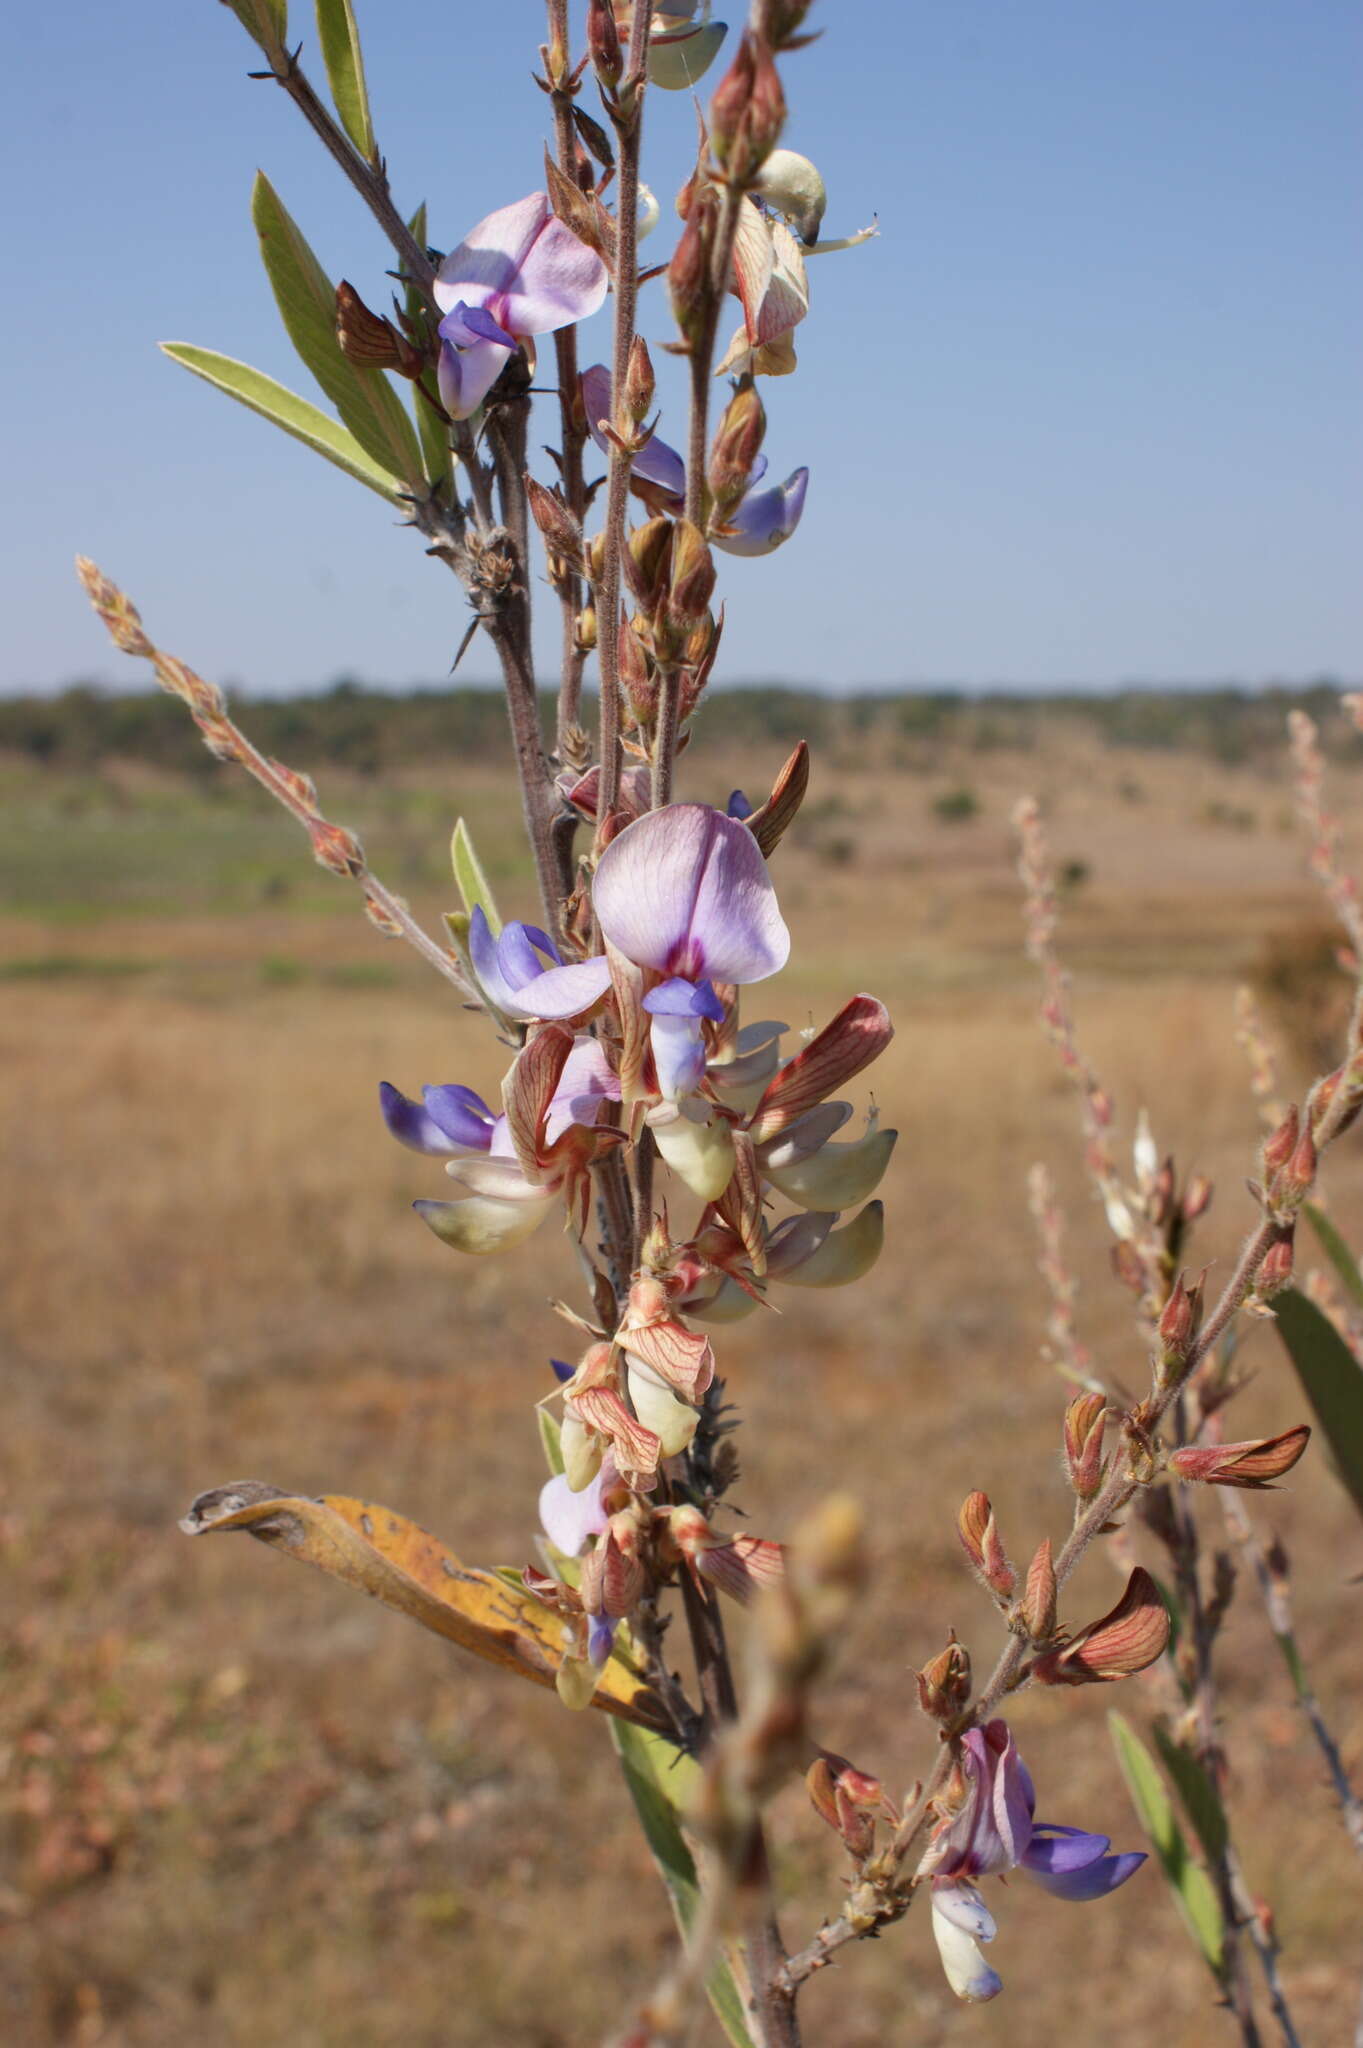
x=663, y=764
x=335, y=847
x=626, y=111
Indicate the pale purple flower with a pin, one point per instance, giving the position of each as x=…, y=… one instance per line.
x=762, y=520
x=520, y=272
x=685, y=892
x=569, y=1519
x=994, y=1831
x=523, y=974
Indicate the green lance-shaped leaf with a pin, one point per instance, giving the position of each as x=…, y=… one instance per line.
x=297, y=416
x=550, y=1434
x=339, y=34
x=1200, y=1798
x=1333, y=1380
x=265, y=20
x=433, y=430
x=365, y=399
x=1189, y=1882
x=468, y=873
x=1337, y=1252
x=659, y=1778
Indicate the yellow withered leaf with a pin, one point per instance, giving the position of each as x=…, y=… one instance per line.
x=399, y=1563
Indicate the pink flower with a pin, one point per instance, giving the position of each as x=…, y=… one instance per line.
x=520, y=272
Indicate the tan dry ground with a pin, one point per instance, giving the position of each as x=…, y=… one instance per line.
x=242, y=1805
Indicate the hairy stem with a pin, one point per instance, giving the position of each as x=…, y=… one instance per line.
x=572, y=435
x=627, y=114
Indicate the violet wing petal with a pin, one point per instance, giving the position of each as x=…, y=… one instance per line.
x=585, y=1083
x=465, y=376
x=463, y=1116
x=562, y=992
x=600, y=1638
x=465, y=326
x=685, y=891
x=738, y=805
x=486, y=962
x=1055, y=1850
x=518, y=955
x=658, y=464
x=764, y=519
x=678, y=998
x=1095, y=1881
x=595, y=385
x=411, y=1124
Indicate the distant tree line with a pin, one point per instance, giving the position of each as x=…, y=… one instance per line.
x=369, y=730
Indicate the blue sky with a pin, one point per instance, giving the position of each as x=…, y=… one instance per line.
x=1087, y=411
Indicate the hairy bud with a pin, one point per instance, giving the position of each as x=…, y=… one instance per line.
x=647, y=561
x=1197, y=1197
x=638, y=381
x=556, y=523
x=688, y=281
x=1279, y=1147
x=748, y=110
x=335, y=848
x=736, y=447
x=944, y=1682
x=1252, y=1465
x=1085, y=1421
x=603, y=41
x=979, y=1534
x=692, y=579
x=1275, y=1269
x=1039, y=1597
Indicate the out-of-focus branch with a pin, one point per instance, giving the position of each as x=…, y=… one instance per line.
x=334, y=847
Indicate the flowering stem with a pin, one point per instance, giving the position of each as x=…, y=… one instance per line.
x=627, y=111
x=572, y=435
x=664, y=761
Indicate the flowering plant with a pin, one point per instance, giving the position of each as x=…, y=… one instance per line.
x=689, y=1151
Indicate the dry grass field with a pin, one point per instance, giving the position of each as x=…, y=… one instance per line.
x=240, y=1805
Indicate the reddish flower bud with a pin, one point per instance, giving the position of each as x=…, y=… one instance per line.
x=1085, y=1421
x=638, y=381
x=1275, y=1269
x=562, y=535
x=688, y=278
x=647, y=560
x=979, y=1533
x=748, y=110
x=603, y=41
x=1278, y=1148
x=1298, y=1177
x=1197, y=1197
x=335, y=848
x=1039, y=1597
x=1132, y=1636
x=944, y=1682
x=735, y=449
x=847, y=1799
x=692, y=577
x=1128, y=1265
x=1255, y=1464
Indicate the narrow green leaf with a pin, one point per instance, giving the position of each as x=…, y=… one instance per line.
x=1337, y=1252
x=1200, y=1798
x=1333, y=1380
x=549, y=1437
x=659, y=1778
x=339, y=34
x=306, y=298
x=433, y=431
x=468, y=873
x=266, y=20
x=297, y=416
x=1189, y=1882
